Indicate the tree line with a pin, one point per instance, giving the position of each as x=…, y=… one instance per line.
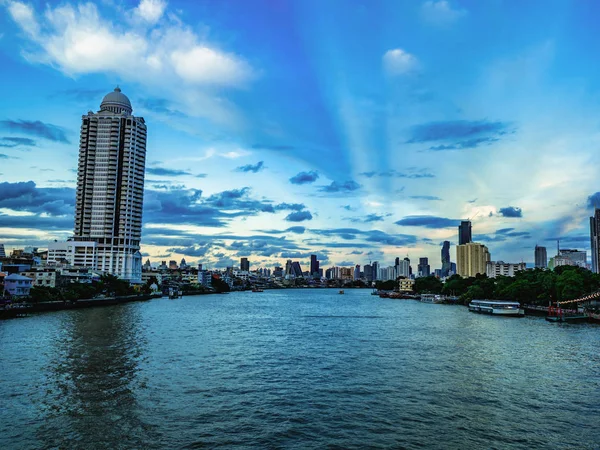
x=536, y=286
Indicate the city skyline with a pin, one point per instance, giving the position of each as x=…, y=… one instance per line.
x=265, y=144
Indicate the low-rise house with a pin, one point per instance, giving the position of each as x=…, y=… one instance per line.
x=17, y=285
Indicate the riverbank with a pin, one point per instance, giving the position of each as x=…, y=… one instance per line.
x=39, y=307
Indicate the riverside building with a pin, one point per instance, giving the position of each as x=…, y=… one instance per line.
x=471, y=259
x=541, y=257
x=110, y=187
x=595, y=240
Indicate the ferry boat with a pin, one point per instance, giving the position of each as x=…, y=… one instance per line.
x=497, y=308
x=431, y=298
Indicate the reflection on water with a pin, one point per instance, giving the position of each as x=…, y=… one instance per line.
x=93, y=374
x=296, y=369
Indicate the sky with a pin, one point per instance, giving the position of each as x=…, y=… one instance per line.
x=356, y=130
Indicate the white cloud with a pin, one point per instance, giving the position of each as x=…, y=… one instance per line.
x=150, y=10
x=201, y=64
x=399, y=62
x=440, y=12
x=24, y=15
x=170, y=58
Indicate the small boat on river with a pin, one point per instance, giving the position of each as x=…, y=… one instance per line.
x=497, y=308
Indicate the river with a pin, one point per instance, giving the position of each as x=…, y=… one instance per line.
x=296, y=369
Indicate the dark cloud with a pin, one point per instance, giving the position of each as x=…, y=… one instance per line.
x=193, y=250
x=273, y=147
x=428, y=222
x=410, y=173
x=26, y=196
x=348, y=208
x=459, y=134
x=425, y=197
x=511, y=211
x=299, y=216
x=251, y=167
x=593, y=201
x=36, y=128
x=11, y=142
x=297, y=230
x=334, y=187
x=304, y=177
x=369, y=218
x=163, y=172
x=504, y=230
x=289, y=207
x=161, y=106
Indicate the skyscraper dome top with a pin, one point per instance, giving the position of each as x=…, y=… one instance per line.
x=116, y=102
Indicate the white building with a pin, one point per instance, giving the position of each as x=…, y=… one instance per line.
x=497, y=268
x=110, y=186
x=42, y=277
x=73, y=253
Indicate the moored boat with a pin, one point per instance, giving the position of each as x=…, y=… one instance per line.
x=497, y=308
x=431, y=298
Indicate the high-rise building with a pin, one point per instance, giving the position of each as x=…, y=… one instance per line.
x=245, y=265
x=445, y=259
x=368, y=270
x=110, y=186
x=357, y=272
x=296, y=269
x=595, y=240
x=464, y=232
x=403, y=269
x=423, y=268
x=375, y=269
x=397, y=262
x=497, y=268
x=2, y=251
x=471, y=259
x=314, y=266
x=541, y=257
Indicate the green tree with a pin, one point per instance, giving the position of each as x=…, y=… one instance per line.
x=429, y=285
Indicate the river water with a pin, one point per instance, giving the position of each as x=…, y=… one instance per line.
x=296, y=369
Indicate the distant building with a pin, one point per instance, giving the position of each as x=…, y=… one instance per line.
x=423, y=269
x=357, y=272
x=445, y=259
x=296, y=269
x=368, y=270
x=452, y=269
x=406, y=285
x=2, y=251
x=595, y=240
x=375, y=269
x=403, y=269
x=471, y=259
x=183, y=264
x=173, y=265
x=438, y=273
x=464, y=232
x=17, y=285
x=43, y=277
x=245, y=265
x=569, y=257
x=541, y=257
x=497, y=268
x=314, y=266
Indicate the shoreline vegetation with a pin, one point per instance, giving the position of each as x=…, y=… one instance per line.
x=536, y=287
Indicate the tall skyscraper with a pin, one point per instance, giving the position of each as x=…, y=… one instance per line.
x=464, y=232
x=245, y=265
x=357, y=272
x=541, y=257
x=375, y=270
x=445, y=259
x=397, y=262
x=471, y=259
x=368, y=272
x=2, y=251
x=423, y=269
x=110, y=186
x=314, y=266
x=595, y=240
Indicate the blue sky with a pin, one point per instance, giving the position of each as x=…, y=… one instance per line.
x=359, y=130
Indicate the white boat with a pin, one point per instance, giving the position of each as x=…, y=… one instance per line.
x=431, y=298
x=497, y=308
